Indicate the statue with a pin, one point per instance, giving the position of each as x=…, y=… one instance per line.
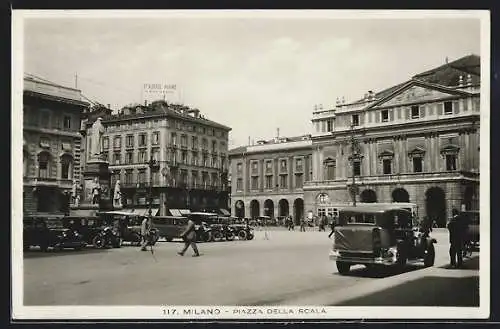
x=96, y=192
x=117, y=197
x=97, y=132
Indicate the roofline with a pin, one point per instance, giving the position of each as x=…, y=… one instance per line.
x=50, y=84
x=55, y=98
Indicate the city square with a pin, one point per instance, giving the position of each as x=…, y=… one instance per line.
x=326, y=163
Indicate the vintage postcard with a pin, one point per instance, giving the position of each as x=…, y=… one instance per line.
x=242, y=165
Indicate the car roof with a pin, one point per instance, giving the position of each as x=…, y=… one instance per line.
x=199, y=213
x=375, y=208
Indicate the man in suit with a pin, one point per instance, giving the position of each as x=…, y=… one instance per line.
x=189, y=237
x=457, y=228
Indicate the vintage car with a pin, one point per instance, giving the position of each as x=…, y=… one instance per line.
x=221, y=229
x=170, y=227
x=242, y=228
x=377, y=236
x=129, y=226
x=203, y=230
x=472, y=219
x=49, y=232
x=95, y=231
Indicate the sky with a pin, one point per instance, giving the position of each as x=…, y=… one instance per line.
x=254, y=74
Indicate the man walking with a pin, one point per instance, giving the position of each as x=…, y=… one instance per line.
x=189, y=237
x=145, y=226
x=332, y=227
x=456, y=229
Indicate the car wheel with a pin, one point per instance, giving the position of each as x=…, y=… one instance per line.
x=207, y=237
x=229, y=236
x=242, y=235
x=99, y=242
x=429, y=257
x=343, y=268
x=250, y=236
x=217, y=236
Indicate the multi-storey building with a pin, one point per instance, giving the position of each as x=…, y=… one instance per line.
x=267, y=178
x=51, y=145
x=415, y=142
x=190, y=150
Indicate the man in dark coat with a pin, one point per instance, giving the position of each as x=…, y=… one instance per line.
x=457, y=228
x=332, y=226
x=189, y=237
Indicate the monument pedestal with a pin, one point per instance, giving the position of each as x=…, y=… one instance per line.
x=95, y=176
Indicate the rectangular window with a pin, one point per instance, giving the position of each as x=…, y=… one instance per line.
x=142, y=139
x=129, y=158
x=239, y=168
x=321, y=212
x=415, y=112
x=117, y=158
x=43, y=168
x=141, y=177
x=298, y=165
x=255, y=183
x=184, y=157
x=128, y=178
x=283, y=164
x=239, y=184
x=385, y=115
x=329, y=126
x=214, y=146
x=355, y=120
x=142, y=157
x=156, y=138
x=183, y=140
x=194, y=142
x=269, y=182
x=155, y=154
x=67, y=122
x=195, y=159
x=299, y=181
x=255, y=167
x=45, y=119
x=387, y=166
x=205, y=161
x=417, y=164
x=130, y=141
x=173, y=138
x=269, y=165
x=283, y=181
x=448, y=108
x=357, y=168
x=451, y=162
x=105, y=143
x=117, y=142
x=330, y=171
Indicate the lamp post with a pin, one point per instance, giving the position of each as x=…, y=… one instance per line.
x=153, y=167
x=354, y=156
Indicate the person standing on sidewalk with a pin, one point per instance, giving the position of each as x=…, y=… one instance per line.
x=456, y=230
x=189, y=237
x=145, y=226
x=302, y=225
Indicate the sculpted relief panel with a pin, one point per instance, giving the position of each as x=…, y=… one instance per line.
x=414, y=94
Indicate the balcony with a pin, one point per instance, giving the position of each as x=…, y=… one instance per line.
x=393, y=179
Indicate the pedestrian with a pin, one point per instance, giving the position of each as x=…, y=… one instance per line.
x=145, y=226
x=332, y=227
x=302, y=225
x=456, y=231
x=189, y=237
x=322, y=223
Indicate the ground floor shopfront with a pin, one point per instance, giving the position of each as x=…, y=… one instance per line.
x=435, y=195
x=164, y=199
x=46, y=199
x=272, y=205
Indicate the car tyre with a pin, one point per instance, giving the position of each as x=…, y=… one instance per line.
x=429, y=257
x=242, y=235
x=217, y=236
x=230, y=236
x=250, y=236
x=343, y=267
x=99, y=242
x=207, y=237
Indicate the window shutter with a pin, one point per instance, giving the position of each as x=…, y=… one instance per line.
x=391, y=115
x=408, y=113
x=377, y=116
x=456, y=108
x=422, y=110
x=440, y=108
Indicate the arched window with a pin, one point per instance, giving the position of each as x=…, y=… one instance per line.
x=66, y=167
x=43, y=165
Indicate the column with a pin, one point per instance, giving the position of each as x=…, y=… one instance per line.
x=397, y=155
x=320, y=164
x=375, y=158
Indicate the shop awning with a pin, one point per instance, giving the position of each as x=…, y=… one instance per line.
x=175, y=212
x=185, y=211
x=124, y=212
x=225, y=212
x=145, y=211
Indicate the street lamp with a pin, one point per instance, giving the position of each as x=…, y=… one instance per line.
x=153, y=167
x=354, y=156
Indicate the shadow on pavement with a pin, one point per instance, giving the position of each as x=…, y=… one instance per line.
x=471, y=263
x=380, y=273
x=426, y=291
x=37, y=253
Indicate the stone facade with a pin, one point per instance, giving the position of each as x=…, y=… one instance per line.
x=51, y=145
x=416, y=142
x=190, y=150
x=267, y=179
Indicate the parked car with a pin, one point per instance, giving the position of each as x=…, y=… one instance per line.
x=170, y=227
x=379, y=235
x=129, y=226
x=472, y=217
x=221, y=229
x=242, y=229
x=95, y=231
x=49, y=232
x=203, y=230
